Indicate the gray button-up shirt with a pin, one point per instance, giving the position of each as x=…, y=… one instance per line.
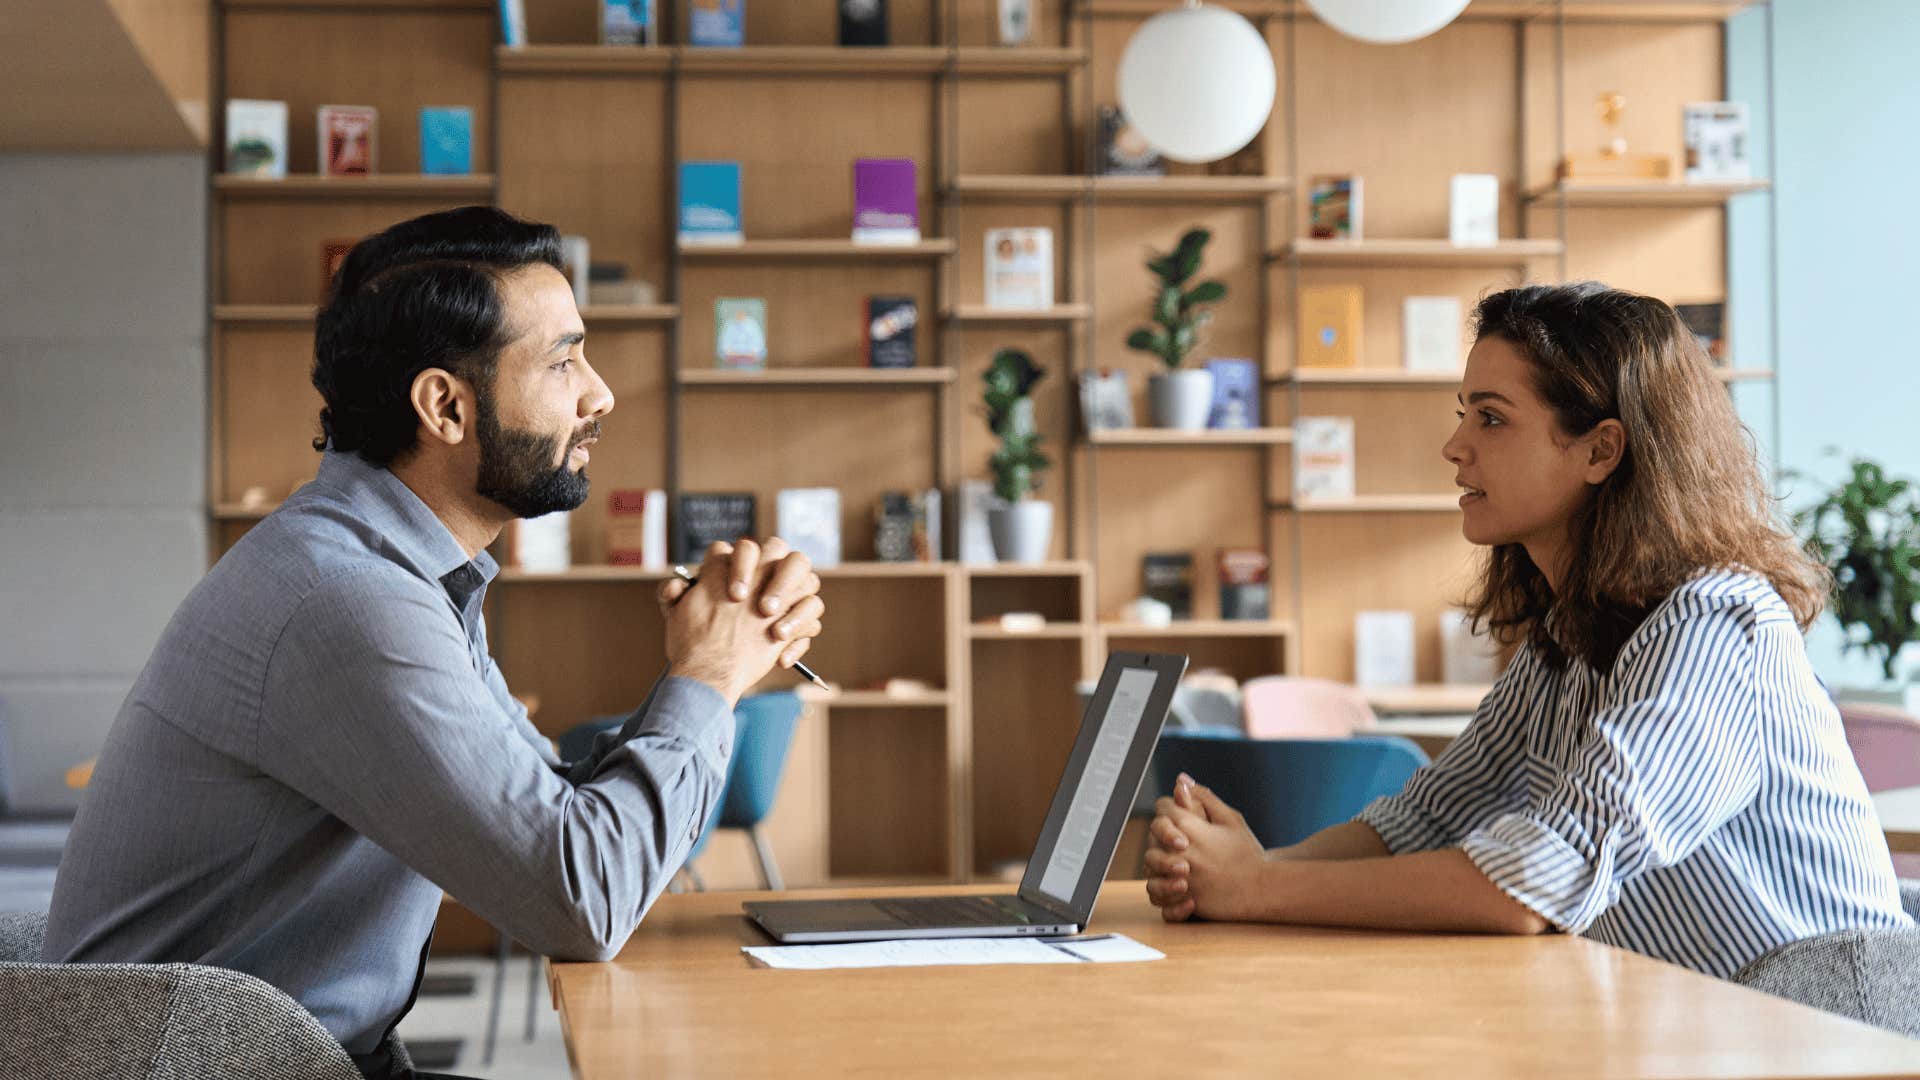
x=320, y=744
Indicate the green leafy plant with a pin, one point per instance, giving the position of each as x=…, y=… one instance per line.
x=1177, y=315
x=1009, y=411
x=1867, y=532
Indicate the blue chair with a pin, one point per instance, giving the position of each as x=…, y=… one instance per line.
x=1288, y=789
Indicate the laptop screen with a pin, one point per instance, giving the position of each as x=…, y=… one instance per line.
x=1103, y=774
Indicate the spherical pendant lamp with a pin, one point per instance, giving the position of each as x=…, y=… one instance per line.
x=1387, y=22
x=1197, y=82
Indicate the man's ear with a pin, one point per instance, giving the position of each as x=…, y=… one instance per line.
x=444, y=404
x=1606, y=448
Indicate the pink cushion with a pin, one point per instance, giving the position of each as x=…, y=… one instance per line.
x=1886, y=745
x=1290, y=707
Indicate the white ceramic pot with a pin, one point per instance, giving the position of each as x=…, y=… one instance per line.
x=1022, y=532
x=1181, y=399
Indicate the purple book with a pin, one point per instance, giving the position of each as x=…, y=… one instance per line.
x=885, y=204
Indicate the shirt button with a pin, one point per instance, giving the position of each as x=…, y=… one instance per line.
x=693, y=833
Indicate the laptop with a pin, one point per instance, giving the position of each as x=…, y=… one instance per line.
x=1118, y=730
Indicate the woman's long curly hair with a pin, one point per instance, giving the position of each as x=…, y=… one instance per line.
x=1688, y=495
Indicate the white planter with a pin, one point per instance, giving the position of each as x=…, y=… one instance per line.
x=1022, y=532
x=1181, y=399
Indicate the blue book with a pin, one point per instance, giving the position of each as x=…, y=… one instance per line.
x=446, y=140
x=1236, y=394
x=718, y=22
x=710, y=202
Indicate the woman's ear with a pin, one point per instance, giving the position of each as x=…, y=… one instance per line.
x=443, y=405
x=1606, y=446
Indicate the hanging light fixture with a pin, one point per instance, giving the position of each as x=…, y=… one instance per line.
x=1387, y=22
x=1197, y=82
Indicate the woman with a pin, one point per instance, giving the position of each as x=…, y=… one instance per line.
x=1657, y=768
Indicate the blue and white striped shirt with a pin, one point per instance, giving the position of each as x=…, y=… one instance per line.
x=1698, y=804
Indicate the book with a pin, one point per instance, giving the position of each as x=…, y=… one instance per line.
x=627, y=22
x=1431, y=333
x=1015, y=25
x=1473, y=210
x=1708, y=322
x=1106, y=404
x=1383, y=648
x=333, y=255
x=886, y=207
x=717, y=22
x=1123, y=150
x=1236, y=395
x=704, y=517
x=1167, y=576
x=1330, y=320
x=1322, y=457
x=976, y=539
x=740, y=333
x=513, y=22
x=1244, y=592
x=710, y=202
x=446, y=140
x=906, y=527
x=349, y=140
x=637, y=528
x=1716, y=138
x=863, y=22
x=542, y=545
x=1466, y=658
x=1334, y=207
x=809, y=519
x=889, y=335
x=257, y=138
x=1020, y=268
x=574, y=252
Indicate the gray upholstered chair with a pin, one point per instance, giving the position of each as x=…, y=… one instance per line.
x=1868, y=975
x=153, y=1021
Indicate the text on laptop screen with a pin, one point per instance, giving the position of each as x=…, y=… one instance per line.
x=1095, y=790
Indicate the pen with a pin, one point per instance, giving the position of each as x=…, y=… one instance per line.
x=691, y=578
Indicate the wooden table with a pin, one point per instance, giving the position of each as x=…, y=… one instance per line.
x=1265, y=1001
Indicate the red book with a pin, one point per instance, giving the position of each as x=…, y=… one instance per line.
x=349, y=140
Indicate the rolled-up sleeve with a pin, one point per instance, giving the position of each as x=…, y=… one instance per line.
x=1475, y=778
x=1668, y=761
x=373, y=708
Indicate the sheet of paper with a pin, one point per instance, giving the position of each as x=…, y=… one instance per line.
x=928, y=952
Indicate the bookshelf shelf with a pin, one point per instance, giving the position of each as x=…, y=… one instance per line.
x=1369, y=377
x=1374, y=504
x=607, y=573
x=584, y=59
x=980, y=314
x=1067, y=568
x=1200, y=628
x=1426, y=698
x=233, y=511
x=828, y=378
x=1021, y=60
x=377, y=186
x=1743, y=374
x=822, y=250
x=877, y=699
x=1013, y=188
x=1418, y=252
x=1643, y=195
x=809, y=60
x=1117, y=189
x=630, y=313
x=1049, y=632
x=1156, y=437
x=264, y=313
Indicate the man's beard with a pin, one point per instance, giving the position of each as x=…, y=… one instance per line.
x=517, y=471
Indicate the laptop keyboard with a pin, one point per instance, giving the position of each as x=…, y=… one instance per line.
x=954, y=911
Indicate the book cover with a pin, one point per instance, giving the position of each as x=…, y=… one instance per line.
x=637, y=528
x=333, y=254
x=446, y=140
x=1431, y=333
x=1330, y=320
x=257, y=138
x=1473, y=210
x=863, y=22
x=809, y=519
x=717, y=22
x=349, y=140
x=627, y=22
x=1167, y=576
x=541, y=545
x=1123, y=150
x=1015, y=25
x=889, y=337
x=885, y=204
x=513, y=22
x=1322, y=457
x=976, y=539
x=1708, y=322
x=1334, y=206
x=1383, y=648
x=576, y=254
x=704, y=517
x=1466, y=658
x=1244, y=591
x=1019, y=268
x=1106, y=404
x=1716, y=137
x=710, y=202
x=1236, y=395
x=740, y=333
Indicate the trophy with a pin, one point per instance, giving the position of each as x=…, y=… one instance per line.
x=1613, y=162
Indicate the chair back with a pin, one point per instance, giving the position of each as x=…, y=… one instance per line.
x=1288, y=789
x=1293, y=707
x=762, y=734
x=1886, y=744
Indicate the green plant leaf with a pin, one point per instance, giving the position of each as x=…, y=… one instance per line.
x=1207, y=292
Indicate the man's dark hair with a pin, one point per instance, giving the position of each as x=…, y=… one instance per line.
x=422, y=294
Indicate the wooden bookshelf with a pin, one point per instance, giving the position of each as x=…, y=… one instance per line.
x=264, y=313
x=1199, y=628
x=822, y=250
x=1397, y=253
x=1645, y=195
x=379, y=186
x=982, y=315
x=1212, y=437
x=1388, y=377
x=843, y=378
x=761, y=60
x=1375, y=504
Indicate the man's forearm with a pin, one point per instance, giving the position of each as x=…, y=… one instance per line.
x=1347, y=840
x=1431, y=890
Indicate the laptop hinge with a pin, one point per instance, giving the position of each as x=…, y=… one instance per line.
x=1049, y=905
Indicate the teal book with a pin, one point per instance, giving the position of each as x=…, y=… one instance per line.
x=710, y=202
x=446, y=140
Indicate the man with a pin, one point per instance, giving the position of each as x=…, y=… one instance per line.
x=321, y=743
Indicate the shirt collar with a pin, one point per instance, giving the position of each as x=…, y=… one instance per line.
x=417, y=534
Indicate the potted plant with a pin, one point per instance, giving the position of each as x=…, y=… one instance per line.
x=1022, y=527
x=1179, y=397
x=1867, y=533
